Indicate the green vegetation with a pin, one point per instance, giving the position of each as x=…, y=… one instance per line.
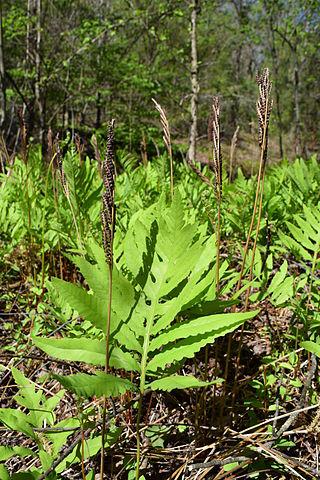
x=165, y=309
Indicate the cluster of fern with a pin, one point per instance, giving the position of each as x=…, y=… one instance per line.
x=170, y=296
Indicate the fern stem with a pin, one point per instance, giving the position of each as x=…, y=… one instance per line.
x=313, y=268
x=144, y=359
x=31, y=266
x=108, y=216
x=82, y=454
x=218, y=242
x=225, y=376
x=138, y=437
x=171, y=173
x=75, y=224
x=106, y=369
x=109, y=318
x=253, y=216
x=42, y=225
x=254, y=248
x=264, y=108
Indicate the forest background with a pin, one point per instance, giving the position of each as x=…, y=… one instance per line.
x=74, y=64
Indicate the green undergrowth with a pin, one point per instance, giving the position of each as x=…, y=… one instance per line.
x=167, y=315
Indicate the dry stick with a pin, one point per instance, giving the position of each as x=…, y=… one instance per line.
x=221, y=462
x=108, y=223
x=304, y=392
x=198, y=172
x=55, y=196
x=167, y=139
x=82, y=455
x=232, y=151
x=52, y=154
x=266, y=450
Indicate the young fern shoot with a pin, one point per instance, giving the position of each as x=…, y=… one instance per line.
x=108, y=225
x=167, y=140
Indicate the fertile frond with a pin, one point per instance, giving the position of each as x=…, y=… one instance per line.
x=264, y=107
x=108, y=207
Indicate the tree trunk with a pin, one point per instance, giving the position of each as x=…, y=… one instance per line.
x=296, y=82
x=275, y=63
x=98, y=107
x=29, y=102
x=38, y=90
x=2, y=79
x=194, y=83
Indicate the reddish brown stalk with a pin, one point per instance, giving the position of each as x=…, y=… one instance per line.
x=82, y=455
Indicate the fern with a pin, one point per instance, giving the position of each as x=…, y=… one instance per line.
x=169, y=265
x=304, y=241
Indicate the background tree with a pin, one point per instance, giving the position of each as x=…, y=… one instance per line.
x=74, y=64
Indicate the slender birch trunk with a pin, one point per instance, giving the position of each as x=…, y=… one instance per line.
x=194, y=82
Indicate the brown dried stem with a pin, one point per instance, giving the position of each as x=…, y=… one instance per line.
x=233, y=146
x=166, y=138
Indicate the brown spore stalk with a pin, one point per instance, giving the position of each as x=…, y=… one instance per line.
x=108, y=223
x=214, y=137
x=108, y=210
